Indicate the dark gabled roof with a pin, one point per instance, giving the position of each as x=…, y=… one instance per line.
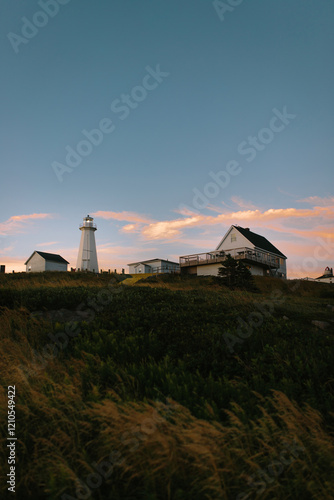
x=325, y=276
x=259, y=241
x=52, y=257
x=152, y=260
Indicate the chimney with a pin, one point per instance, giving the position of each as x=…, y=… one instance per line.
x=247, y=229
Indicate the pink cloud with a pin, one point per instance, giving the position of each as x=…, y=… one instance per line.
x=4, y=251
x=129, y=227
x=170, y=229
x=275, y=217
x=15, y=223
x=23, y=218
x=47, y=244
x=318, y=201
x=242, y=203
x=122, y=216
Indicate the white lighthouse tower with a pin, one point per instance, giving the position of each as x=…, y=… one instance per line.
x=87, y=256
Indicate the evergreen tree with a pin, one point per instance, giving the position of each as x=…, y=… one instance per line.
x=228, y=271
x=234, y=274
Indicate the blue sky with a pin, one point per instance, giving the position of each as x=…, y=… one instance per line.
x=225, y=74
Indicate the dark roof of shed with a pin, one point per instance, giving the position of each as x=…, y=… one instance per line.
x=325, y=276
x=52, y=257
x=152, y=260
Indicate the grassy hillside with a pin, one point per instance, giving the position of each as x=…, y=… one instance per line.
x=170, y=388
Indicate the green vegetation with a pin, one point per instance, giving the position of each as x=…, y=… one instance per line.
x=145, y=388
x=234, y=274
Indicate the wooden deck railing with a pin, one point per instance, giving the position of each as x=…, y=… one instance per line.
x=244, y=253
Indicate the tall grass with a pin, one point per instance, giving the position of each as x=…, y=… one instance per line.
x=149, y=391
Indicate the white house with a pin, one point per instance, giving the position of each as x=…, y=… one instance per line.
x=255, y=251
x=327, y=277
x=153, y=266
x=43, y=261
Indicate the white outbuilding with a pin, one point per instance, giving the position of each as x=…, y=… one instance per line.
x=44, y=261
x=153, y=266
x=327, y=277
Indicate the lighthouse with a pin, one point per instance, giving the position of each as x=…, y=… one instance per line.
x=87, y=256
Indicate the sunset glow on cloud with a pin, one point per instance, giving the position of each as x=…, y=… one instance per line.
x=121, y=216
x=318, y=222
x=15, y=223
x=317, y=201
x=242, y=203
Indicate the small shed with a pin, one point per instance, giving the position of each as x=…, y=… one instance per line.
x=39, y=262
x=158, y=266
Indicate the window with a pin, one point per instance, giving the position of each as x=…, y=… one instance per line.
x=233, y=237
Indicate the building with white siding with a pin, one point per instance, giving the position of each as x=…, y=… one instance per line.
x=153, y=266
x=255, y=251
x=44, y=261
x=327, y=277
